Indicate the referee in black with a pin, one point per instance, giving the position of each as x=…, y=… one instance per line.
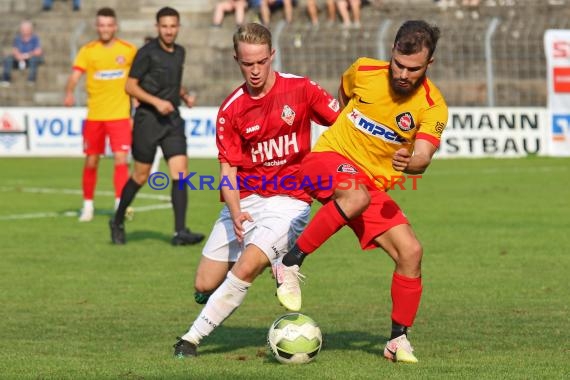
x=155, y=80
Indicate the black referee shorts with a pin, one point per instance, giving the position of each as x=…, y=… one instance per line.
x=152, y=130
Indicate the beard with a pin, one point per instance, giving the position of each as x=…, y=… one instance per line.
x=167, y=41
x=404, y=91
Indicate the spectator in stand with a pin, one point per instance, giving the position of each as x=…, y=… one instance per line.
x=26, y=53
x=345, y=7
x=313, y=11
x=49, y=3
x=266, y=7
x=227, y=6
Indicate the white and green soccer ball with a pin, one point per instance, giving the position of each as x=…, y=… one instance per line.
x=294, y=339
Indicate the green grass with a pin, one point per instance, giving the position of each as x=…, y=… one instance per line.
x=496, y=236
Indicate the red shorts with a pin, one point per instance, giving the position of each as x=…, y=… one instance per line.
x=95, y=131
x=326, y=171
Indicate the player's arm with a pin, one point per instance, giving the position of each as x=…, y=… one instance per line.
x=324, y=107
x=342, y=98
x=427, y=140
x=72, y=81
x=231, y=197
x=417, y=163
x=346, y=87
x=189, y=98
x=132, y=87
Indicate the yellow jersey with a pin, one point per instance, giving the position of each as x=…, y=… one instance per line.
x=376, y=122
x=106, y=70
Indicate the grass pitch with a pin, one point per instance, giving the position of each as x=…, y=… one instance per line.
x=496, y=236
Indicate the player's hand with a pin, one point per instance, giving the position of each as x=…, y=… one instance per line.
x=69, y=100
x=238, y=224
x=190, y=99
x=164, y=107
x=401, y=159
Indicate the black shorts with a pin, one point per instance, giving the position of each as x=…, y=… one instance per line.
x=152, y=130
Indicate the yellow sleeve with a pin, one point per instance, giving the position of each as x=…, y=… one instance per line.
x=433, y=122
x=349, y=78
x=81, y=59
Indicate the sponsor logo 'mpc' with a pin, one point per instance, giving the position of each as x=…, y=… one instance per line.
x=373, y=128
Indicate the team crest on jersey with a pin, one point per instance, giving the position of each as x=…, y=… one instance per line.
x=333, y=105
x=121, y=60
x=405, y=121
x=288, y=115
x=346, y=168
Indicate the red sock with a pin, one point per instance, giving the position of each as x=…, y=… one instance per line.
x=89, y=181
x=406, y=294
x=120, y=178
x=326, y=222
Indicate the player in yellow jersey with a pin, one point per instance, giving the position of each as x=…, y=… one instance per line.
x=391, y=124
x=106, y=63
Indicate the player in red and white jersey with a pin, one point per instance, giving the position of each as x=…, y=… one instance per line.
x=268, y=137
x=263, y=132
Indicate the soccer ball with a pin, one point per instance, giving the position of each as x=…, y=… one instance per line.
x=294, y=339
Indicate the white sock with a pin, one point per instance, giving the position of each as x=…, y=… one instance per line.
x=221, y=305
x=88, y=204
x=117, y=201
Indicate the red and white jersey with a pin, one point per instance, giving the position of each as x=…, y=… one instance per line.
x=267, y=138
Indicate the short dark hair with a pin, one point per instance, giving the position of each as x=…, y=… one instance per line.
x=167, y=11
x=106, y=12
x=414, y=35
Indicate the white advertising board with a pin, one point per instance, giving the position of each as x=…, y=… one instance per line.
x=494, y=132
x=57, y=131
x=471, y=132
x=557, y=50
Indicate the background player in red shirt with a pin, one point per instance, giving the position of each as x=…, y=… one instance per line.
x=263, y=131
x=391, y=124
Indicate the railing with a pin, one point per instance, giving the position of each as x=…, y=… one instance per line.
x=487, y=55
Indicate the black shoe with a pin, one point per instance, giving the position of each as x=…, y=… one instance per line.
x=186, y=237
x=117, y=233
x=184, y=349
x=76, y=9
x=46, y=8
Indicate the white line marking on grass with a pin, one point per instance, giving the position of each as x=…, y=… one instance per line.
x=74, y=214
x=39, y=190
x=37, y=215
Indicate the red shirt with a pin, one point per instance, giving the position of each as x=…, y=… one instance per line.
x=267, y=138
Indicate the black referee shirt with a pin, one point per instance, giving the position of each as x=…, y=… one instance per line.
x=159, y=72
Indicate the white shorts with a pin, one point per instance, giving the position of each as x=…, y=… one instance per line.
x=277, y=222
